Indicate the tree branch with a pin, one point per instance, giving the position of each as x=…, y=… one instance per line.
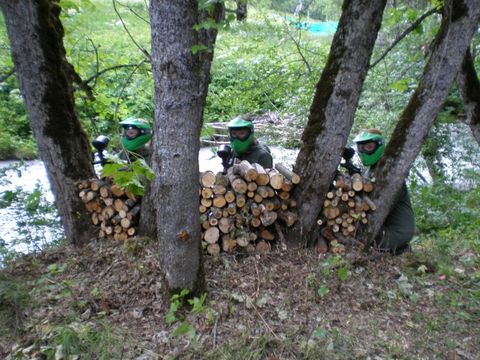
x=7, y=75
x=404, y=34
x=144, y=51
x=297, y=45
x=100, y=73
x=135, y=13
x=117, y=105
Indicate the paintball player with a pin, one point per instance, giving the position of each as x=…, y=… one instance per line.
x=136, y=135
x=244, y=146
x=398, y=229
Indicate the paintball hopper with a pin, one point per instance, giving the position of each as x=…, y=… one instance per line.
x=348, y=153
x=224, y=151
x=101, y=143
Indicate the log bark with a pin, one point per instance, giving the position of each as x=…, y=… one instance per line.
x=238, y=184
x=262, y=176
x=247, y=171
x=289, y=174
x=332, y=111
x=45, y=79
x=460, y=20
x=276, y=179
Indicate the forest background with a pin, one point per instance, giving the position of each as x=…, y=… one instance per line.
x=266, y=65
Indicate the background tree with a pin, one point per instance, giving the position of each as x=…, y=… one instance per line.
x=469, y=88
x=183, y=34
x=45, y=78
x=460, y=20
x=333, y=109
x=241, y=10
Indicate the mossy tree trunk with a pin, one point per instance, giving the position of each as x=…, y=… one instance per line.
x=181, y=76
x=469, y=88
x=45, y=78
x=460, y=20
x=332, y=111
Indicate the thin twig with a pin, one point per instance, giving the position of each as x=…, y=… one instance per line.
x=215, y=333
x=97, y=63
x=135, y=13
x=144, y=51
x=265, y=323
x=257, y=292
x=402, y=35
x=100, y=73
x=299, y=50
x=271, y=330
x=124, y=87
x=7, y=75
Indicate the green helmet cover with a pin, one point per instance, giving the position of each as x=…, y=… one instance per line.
x=372, y=158
x=238, y=122
x=240, y=146
x=139, y=123
x=140, y=140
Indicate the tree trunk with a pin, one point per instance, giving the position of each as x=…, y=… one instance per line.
x=469, y=88
x=147, y=223
x=45, y=78
x=241, y=10
x=181, y=78
x=332, y=111
x=460, y=20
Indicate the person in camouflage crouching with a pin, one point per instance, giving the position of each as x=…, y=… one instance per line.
x=399, y=226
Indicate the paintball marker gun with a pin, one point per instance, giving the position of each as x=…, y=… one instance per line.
x=347, y=163
x=225, y=153
x=100, y=144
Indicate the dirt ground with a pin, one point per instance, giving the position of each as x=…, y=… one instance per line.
x=293, y=304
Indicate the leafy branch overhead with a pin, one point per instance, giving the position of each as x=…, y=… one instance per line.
x=132, y=176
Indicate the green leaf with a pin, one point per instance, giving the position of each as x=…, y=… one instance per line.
x=343, y=274
x=207, y=25
x=170, y=318
x=323, y=290
x=198, y=303
x=400, y=85
x=197, y=48
x=132, y=177
x=183, y=329
x=7, y=198
x=33, y=200
x=320, y=332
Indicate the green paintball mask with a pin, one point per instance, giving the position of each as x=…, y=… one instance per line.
x=370, y=147
x=241, y=135
x=135, y=133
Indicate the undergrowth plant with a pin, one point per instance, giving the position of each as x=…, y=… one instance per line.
x=178, y=314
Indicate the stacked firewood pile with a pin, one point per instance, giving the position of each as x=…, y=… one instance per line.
x=114, y=210
x=240, y=209
x=345, y=208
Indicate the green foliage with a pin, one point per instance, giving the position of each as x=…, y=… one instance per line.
x=176, y=302
x=14, y=298
x=77, y=339
x=257, y=64
x=185, y=327
x=437, y=3
x=444, y=208
x=132, y=176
